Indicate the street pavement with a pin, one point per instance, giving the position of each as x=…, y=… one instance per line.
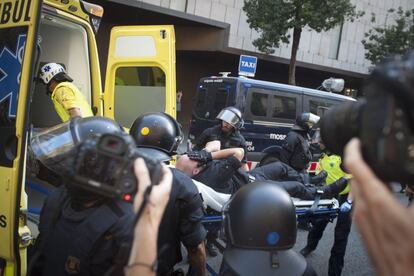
x=356, y=260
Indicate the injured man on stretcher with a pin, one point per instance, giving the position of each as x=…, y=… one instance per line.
x=221, y=170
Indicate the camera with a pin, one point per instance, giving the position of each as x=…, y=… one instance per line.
x=105, y=165
x=383, y=120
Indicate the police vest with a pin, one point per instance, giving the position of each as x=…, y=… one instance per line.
x=78, y=101
x=332, y=165
x=301, y=155
x=84, y=235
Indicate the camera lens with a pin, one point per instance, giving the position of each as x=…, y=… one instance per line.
x=129, y=184
x=339, y=124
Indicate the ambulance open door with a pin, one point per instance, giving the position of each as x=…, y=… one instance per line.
x=18, y=29
x=140, y=75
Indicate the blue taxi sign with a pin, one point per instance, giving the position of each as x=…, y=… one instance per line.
x=247, y=65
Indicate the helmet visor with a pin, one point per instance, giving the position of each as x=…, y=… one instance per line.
x=313, y=119
x=53, y=147
x=229, y=117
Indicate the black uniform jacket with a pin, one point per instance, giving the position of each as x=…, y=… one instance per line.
x=181, y=222
x=81, y=241
x=233, y=140
x=296, y=150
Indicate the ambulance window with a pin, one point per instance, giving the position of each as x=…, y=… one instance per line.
x=258, y=105
x=138, y=90
x=283, y=107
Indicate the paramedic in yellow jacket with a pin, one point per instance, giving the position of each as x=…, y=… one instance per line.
x=66, y=97
x=332, y=164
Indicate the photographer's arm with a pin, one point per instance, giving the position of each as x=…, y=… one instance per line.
x=146, y=231
x=386, y=226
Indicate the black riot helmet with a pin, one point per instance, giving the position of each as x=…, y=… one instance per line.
x=261, y=216
x=232, y=116
x=55, y=147
x=157, y=130
x=260, y=226
x=305, y=121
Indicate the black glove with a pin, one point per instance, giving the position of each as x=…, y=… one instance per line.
x=319, y=178
x=201, y=156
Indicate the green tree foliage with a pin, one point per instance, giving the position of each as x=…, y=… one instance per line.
x=274, y=19
x=397, y=38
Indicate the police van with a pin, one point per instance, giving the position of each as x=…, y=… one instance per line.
x=140, y=77
x=269, y=110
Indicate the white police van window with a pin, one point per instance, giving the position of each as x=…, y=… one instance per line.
x=220, y=101
x=319, y=107
x=211, y=99
x=199, y=108
x=283, y=107
x=138, y=90
x=258, y=106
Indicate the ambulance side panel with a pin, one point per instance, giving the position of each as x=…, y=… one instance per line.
x=18, y=27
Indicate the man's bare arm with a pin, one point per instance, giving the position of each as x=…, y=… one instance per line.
x=213, y=146
x=225, y=153
x=75, y=112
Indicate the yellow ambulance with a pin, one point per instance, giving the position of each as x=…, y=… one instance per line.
x=140, y=77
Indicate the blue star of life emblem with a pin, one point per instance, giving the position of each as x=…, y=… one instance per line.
x=10, y=70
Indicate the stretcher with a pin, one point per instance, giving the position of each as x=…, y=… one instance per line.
x=305, y=209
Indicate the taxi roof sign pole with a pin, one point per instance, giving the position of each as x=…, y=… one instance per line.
x=247, y=65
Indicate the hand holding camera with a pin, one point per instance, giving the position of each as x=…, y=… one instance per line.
x=385, y=224
x=160, y=193
x=383, y=120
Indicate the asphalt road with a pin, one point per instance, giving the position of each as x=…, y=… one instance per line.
x=356, y=260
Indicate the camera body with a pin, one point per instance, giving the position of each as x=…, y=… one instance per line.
x=105, y=165
x=383, y=120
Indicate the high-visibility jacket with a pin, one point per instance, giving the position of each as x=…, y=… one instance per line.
x=66, y=96
x=332, y=165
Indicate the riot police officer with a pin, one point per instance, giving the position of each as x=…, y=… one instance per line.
x=182, y=218
x=256, y=243
x=296, y=149
x=74, y=238
x=227, y=132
